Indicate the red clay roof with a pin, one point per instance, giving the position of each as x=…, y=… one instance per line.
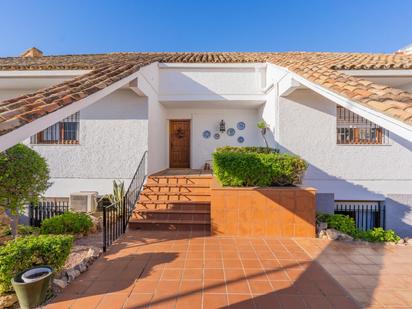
x=320, y=68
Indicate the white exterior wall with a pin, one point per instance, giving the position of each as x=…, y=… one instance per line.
x=307, y=125
x=113, y=138
x=208, y=119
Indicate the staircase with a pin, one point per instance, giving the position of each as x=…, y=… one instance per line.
x=174, y=202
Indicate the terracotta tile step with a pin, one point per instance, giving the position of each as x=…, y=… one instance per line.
x=183, y=180
x=182, y=188
x=177, y=205
x=176, y=193
x=174, y=196
x=174, y=211
x=172, y=214
x=170, y=225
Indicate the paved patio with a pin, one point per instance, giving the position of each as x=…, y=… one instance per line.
x=188, y=270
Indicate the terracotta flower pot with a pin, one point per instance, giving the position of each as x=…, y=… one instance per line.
x=32, y=294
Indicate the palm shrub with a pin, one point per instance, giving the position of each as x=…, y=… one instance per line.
x=235, y=167
x=25, y=252
x=24, y=177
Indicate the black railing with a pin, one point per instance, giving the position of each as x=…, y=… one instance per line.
x=47, y=208
x=367, y=214
x=116, y=216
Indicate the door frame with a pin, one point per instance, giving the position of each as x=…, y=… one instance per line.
x=169, y=139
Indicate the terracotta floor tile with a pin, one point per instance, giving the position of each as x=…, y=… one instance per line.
x=192, y=273
x=214, y=286
x=172, y=274
x=144, y=286
x=190, y=301
x=291, y=301
x=240, y=301
x=138, y=300
x=213, y=273
x=260, y=287
x=113, y=300
x=238, y=286
x=317, y=302
x=186, y=269
x=87, y=302
x=214, y=301
x=342, y=302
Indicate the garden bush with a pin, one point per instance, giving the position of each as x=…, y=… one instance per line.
x=254, y=166
x=25, y=252
x=378, y=234
x=346, y=224
x=247, y=149
x=67, y=223
x=342, y=223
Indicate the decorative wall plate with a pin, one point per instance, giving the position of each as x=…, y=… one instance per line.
x=216, y=136
x=206, y=134
x=240, y=139
x=241, y=125
x=230, y=131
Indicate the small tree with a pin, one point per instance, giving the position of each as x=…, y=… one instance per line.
x=263, y=129
x=24, y=177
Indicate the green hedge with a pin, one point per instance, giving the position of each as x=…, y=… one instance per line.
x=347, y=225
x=247, y=149
x=22, y=253
x=253, y=166
x=67, y=223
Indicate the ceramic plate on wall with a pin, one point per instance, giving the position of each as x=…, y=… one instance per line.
x=231, y=131
x=206, y=134
x=216, y=136
x=241, y=125
x=240, y=139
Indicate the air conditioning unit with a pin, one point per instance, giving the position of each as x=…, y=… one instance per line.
x=85, y=201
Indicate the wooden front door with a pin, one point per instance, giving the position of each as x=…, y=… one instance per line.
x=179, y=144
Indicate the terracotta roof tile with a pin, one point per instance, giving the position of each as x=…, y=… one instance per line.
x=106, y=69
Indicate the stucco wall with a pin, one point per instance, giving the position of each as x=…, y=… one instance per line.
x=113, y=138
x=208, y=119
x=307, y=124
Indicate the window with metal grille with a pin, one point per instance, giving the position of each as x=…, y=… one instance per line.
x=367, y=214
x=356, y=130
x=63, y=132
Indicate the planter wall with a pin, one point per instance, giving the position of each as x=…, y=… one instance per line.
x=272, y=211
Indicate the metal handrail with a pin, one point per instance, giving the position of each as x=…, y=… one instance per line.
x=116, y=216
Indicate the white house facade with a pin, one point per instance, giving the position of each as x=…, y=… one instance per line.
x=354, y=152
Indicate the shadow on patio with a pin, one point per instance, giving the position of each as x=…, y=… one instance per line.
x=179, y=270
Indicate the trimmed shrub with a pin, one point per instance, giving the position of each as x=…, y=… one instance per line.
x=378, y=234
x=342, y=223
x=247, y=149
x=22, y=253
x=67, y=223
x=346, y=224
x=250, y=166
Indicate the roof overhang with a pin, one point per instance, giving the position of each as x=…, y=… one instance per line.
x=19, y=134
x=291, y=82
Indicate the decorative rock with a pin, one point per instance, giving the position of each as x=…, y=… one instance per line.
x=72, y=274
x=401, y=242
x=333, y=234
x=82, y=267
x=7, y=300
x=322, y=234
x=60, y=283
x=322, y=226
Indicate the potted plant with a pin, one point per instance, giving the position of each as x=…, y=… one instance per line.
x=31, y=285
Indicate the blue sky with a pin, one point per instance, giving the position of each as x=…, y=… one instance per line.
x=86, y=26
